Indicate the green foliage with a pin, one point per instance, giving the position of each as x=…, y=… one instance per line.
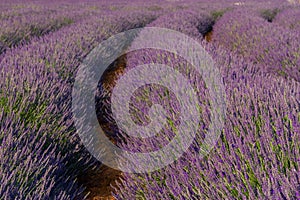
x=216, y=14
x=269, y=14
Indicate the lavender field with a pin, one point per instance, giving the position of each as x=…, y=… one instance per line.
x=255, y=46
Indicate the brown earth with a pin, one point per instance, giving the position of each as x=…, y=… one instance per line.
x=98, y=184
x=114, y=71
x=208, y=36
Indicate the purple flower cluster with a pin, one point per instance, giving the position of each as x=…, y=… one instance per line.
x=258, y=153
x=21, y=27
x=41, y=156
x=289, y=18
x=272, y=47
x=196, y=24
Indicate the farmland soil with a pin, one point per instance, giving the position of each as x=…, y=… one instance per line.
x=98, y=184
x=208, y=36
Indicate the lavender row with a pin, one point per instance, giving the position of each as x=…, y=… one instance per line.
x=268, y=45
x=36, y=86
x=289, y=19
x=21, y=28
x=195, y=24
x=257, y=155
x=10, y=10
x=31, y=166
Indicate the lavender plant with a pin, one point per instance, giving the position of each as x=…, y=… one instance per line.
x=31, y=168
x=257, y=155
x=289, y=18
x=21, y=28
x=36, y=97
x=266, y=44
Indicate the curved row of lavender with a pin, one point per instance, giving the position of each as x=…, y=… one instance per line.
x=20, y=27
x=41, y=156
x=290, y=19
x=195, y=23
x=274, y=48
x=257, y=156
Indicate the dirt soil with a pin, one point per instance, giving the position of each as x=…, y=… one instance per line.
x=208, y=36
x=98, y=184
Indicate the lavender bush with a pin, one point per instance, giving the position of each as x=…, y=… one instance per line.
x=266, y=44
x=255, y=48
x=35, y=97
x=20, y=28
x=289, y=18
x=257, y=155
